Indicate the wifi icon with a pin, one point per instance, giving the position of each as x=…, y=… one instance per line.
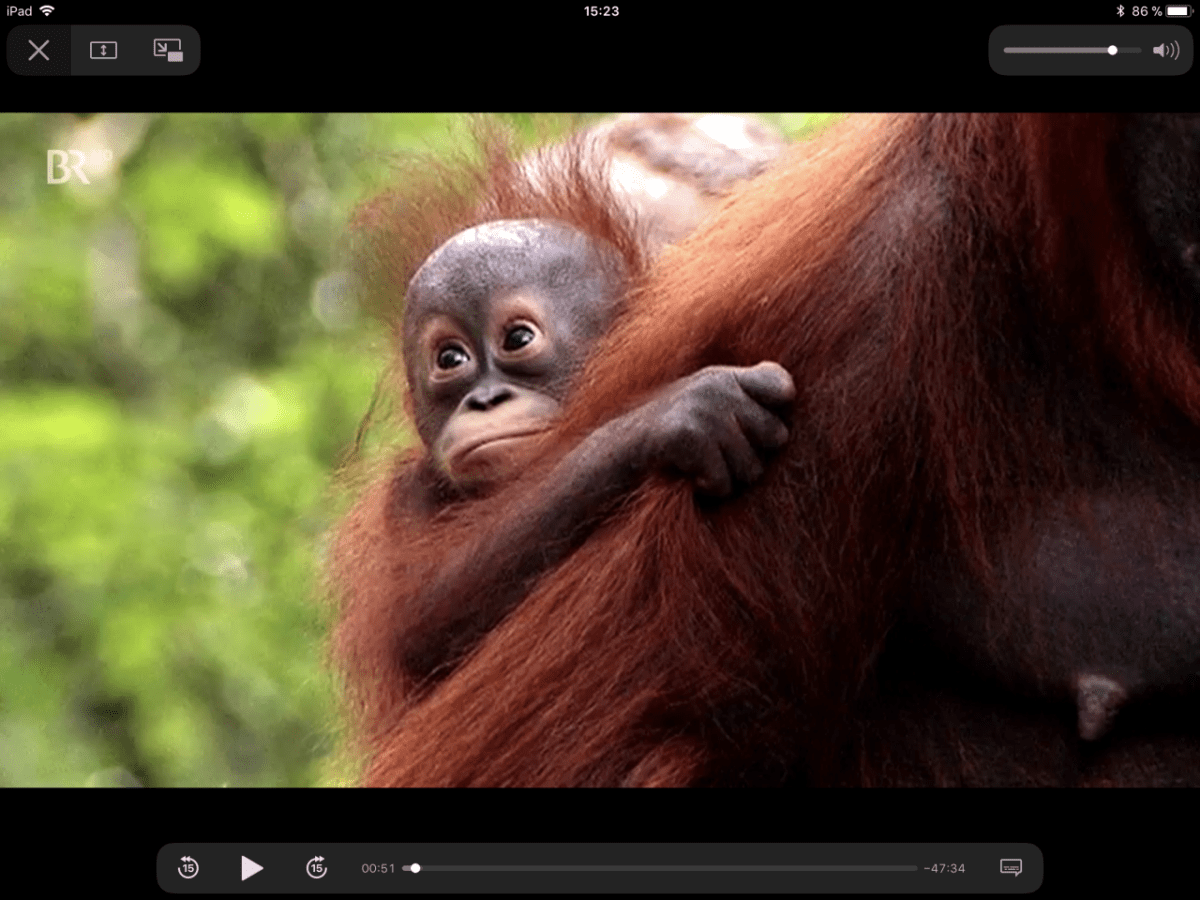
x=47, y=9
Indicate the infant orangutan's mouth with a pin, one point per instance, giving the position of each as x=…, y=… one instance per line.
x=495, y=456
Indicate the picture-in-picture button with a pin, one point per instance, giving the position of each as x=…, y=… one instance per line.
x=170, y=49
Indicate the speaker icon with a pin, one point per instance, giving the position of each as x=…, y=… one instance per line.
x=1168, y=51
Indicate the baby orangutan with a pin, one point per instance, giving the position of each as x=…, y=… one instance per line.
x=497, y=324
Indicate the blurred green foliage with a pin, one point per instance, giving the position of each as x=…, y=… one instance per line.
x=181, y=369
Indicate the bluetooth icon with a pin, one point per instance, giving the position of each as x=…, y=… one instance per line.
x=1120, y=10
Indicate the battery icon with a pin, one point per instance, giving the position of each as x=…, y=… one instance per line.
x=1182, y=12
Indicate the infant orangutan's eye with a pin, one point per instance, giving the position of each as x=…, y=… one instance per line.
x=517, y=337
x=451, y=357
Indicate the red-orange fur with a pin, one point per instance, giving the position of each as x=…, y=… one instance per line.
x=933, y=284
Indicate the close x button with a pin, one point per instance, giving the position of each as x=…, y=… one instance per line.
x=39, y=50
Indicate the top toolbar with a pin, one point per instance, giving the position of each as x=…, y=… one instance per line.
x=103, y=50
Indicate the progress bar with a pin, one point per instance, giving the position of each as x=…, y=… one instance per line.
x=1163, y=50
x=665, y=868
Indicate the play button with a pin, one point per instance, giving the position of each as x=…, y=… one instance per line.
x=249, y=867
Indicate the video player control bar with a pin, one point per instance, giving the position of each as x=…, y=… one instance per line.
x=1014, y=868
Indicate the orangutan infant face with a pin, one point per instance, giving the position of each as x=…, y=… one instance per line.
x=498, y=321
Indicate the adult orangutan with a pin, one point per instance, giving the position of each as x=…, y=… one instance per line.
x=980, y=544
